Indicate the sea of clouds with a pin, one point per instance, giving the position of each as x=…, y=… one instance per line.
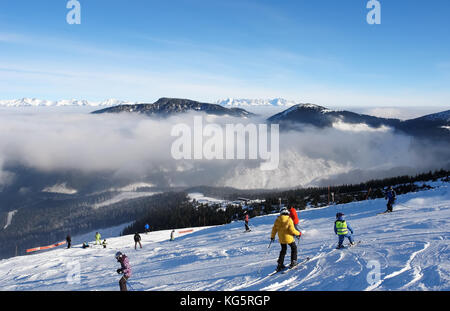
x=139, y=148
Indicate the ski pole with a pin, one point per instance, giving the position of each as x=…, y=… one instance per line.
x=265, y=256
x=404, y=205
x=131, y=287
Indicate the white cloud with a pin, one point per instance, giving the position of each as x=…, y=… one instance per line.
x=136, y=146
x=359, y=127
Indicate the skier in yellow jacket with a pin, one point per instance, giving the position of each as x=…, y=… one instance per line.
x=284, y=226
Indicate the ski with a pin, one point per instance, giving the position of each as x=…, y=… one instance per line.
x=385, y=212
x=348, y=245
x=295, y=267
x=356, y=243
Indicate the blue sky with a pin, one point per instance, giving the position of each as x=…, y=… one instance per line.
x=322, y=52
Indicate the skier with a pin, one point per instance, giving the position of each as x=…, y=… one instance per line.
x=97, y=238
x=137, y=239
x=69, y=241
x=125, y=269
x=147, y=228
x=172, y=235
x=391, y=197
x=284, y=226
x=104, y=243
x=247, y=228
x=85, y=245
x=342, y=228
x=294, y=216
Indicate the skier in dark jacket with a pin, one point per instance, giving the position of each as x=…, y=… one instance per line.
x=137, y=239
x=125, y=269
x=342, y=228
x=69, y=241
x=391, y=197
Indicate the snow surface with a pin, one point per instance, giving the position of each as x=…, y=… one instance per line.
x=201, y=198
x=9, y=218
x=125, y=196
x=410, y=246
x=60, y=188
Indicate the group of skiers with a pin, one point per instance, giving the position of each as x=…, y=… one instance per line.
x=286, y=225
x=85, y=244
x=122, y=258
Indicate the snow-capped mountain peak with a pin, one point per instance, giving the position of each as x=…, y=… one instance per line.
x=235, y=102
x=34, y=102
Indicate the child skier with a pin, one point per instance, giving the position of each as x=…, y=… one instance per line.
x=342, y=228
x=172, y=235
x=147, y=228
x=247, y=228
x=97, y=238
x=125, y=269
x=284, y=226
x=294, y=216
x=390, y=196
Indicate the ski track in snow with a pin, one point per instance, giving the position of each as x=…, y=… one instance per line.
x=412, y=249
x=9, y=218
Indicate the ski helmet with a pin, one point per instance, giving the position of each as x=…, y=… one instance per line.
x=339, y=215
x=118, y=255
x=284, y=211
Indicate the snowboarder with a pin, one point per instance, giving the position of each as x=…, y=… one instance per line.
x=104, y=243
x=97, y=238
x=342, y=228
x=247, y=228
x=172, y=235
x=69, y=241
x=147, y=228
x=125, y=269
x=391, y=197
x=137, y=239
x=284, y=226
x=85, y=245
x=294, y=216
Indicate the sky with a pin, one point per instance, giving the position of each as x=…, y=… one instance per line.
x=322, y=52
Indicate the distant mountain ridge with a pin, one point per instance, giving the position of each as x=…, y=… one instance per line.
x=33, y=102
x=322, y=117
x=432, y=125
x=164, y=107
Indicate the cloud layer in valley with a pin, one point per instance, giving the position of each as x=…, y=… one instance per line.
x=139, y=148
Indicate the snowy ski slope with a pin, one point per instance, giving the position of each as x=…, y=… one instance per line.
x=410, y=247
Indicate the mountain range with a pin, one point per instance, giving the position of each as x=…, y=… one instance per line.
x=164, y=107
x=295, y=116
x=33, y=102
x=298, y=116
x=435, y=125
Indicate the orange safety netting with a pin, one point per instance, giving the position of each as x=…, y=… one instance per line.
x=45, y=247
